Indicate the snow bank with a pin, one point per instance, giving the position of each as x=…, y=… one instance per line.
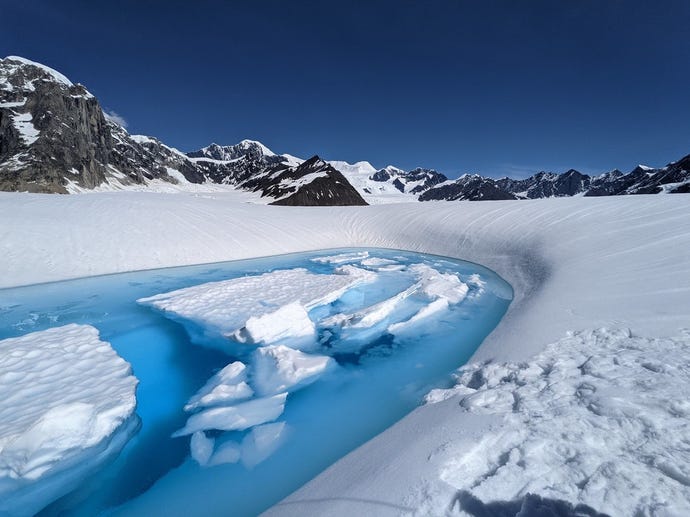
x=67, y=407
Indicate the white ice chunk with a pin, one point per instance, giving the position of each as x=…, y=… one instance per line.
x=278, y=368
x=440, y=285
x=427, y=311
x=376, y=262
x=201, y=447
x=225, y=307
x=289, y=321
x=227, y=452
x=228, y=385
x=235, y=418
x=261, y=442
x=342, y=258
x=67, y=406
x=442, y=288
x=370, y=316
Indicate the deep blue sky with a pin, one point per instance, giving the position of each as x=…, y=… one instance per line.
x=497, y=87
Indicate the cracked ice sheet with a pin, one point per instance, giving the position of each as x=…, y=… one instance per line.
x=225, y=307
x=599, y=418
x=67, y=406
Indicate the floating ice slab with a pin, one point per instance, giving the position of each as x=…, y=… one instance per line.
x=288, y=322
x=225, y=307
x=235, y=418
x=440, y=285
x=599, y=418
x=67, y=406
x=228, y=385
x=278, y=368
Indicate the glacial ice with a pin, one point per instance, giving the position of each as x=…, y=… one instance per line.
x=235, y=418
x=67, y=407
x=261, y=442
x=287, y=322
x=224, y=308
x=278, y=368
x=201, y=447
x=228, y=385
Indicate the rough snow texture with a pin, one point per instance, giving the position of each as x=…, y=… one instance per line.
x=65, y=394
x=599, y=418
x=574, y=263
x=260, y=308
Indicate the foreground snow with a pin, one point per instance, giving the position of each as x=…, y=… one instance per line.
x=575, y=264
x=67, y=407
x=603, y=391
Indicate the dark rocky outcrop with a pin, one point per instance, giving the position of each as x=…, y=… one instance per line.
x=314, y=182
x=470, y=187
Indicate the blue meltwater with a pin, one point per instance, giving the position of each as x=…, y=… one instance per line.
x=256, y=375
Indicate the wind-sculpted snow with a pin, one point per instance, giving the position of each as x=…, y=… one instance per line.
x=67, y=406
x=599, y=417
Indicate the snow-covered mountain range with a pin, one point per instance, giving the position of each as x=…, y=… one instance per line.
x=56, y=138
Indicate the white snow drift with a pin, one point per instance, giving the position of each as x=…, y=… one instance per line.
x=67, y=406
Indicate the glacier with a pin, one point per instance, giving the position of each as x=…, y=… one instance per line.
x=631, y=272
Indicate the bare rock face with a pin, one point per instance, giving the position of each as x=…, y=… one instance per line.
x=48, y=127
x=313, y=183
x=54, y=135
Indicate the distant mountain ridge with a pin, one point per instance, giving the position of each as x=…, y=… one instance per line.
x=55, y=138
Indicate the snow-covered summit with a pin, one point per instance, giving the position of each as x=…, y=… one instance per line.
x=50, y=71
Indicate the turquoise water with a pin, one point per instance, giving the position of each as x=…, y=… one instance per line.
x=380, y=379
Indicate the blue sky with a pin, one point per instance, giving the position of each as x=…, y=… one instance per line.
x=496, y=87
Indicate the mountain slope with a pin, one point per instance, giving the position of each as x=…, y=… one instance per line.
x=55, y=138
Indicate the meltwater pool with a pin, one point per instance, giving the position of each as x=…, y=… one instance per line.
x=256, y=375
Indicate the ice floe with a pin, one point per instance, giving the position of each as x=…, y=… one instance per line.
x=278, y=368
x=67, y=406
x=235, y=418
x=228, y=385
x=599, y=418
x=224, y=308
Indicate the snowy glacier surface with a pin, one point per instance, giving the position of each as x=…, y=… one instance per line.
x=256, y=375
